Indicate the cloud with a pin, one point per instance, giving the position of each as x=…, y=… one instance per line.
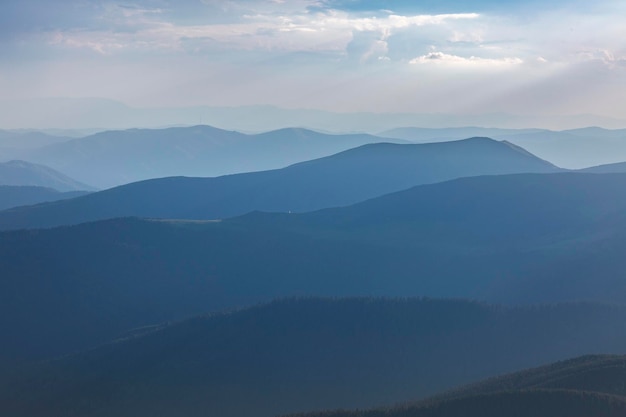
x=335, y=54
x=440, y=58
x=610, y=59
x=135, y=28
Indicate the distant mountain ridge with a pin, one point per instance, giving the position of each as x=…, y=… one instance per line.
x=113, y=158
x=305, y=354
x=17, y=173
x=98, y=112
x=26, y=139
x=426, y=135
x=345, y=178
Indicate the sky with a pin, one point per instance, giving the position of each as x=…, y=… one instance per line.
x=434, y=56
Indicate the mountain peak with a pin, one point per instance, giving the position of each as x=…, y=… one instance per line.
x=19, y=172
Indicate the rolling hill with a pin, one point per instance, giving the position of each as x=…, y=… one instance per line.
x=19, y=173
x=524, y=238
x=305, y=354
x=338, y=180
x=113, y=158
x=585, y=386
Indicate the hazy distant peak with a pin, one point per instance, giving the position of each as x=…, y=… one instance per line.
x=290, y=130
x=19, y=172
x=20, y=163
x=433, y=145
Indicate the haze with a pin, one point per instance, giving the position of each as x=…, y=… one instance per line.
x=312, y=208
x=523, y=60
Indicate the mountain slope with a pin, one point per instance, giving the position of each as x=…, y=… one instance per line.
x=594, y=373
x=26, y=173
x=112, y=158
x=305, y=354
x=338, y=180
x=606, y=169
x=420, y=134
x=15, y=196
x=527, y=403
x=573, y=149
x=585, y=386
x=517, y=239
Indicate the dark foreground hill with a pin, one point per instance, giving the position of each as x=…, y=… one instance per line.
x=306, y=354
x=15, y=196
x=515, y=239
x=25, y=173
x=342, y=179
x=113, y=158
x=582, y=387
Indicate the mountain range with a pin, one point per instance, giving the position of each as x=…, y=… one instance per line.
x=379, y=281
x=112, y=158
x=345, y=178
x=523, y=238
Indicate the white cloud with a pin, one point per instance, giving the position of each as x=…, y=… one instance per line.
x=610, y=59
x=440, y=58
x=286, y=53
x=329, y=31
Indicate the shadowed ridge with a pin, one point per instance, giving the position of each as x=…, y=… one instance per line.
x=523, y=238
x=594, y=373
x=309, y=353
x=591, y=385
